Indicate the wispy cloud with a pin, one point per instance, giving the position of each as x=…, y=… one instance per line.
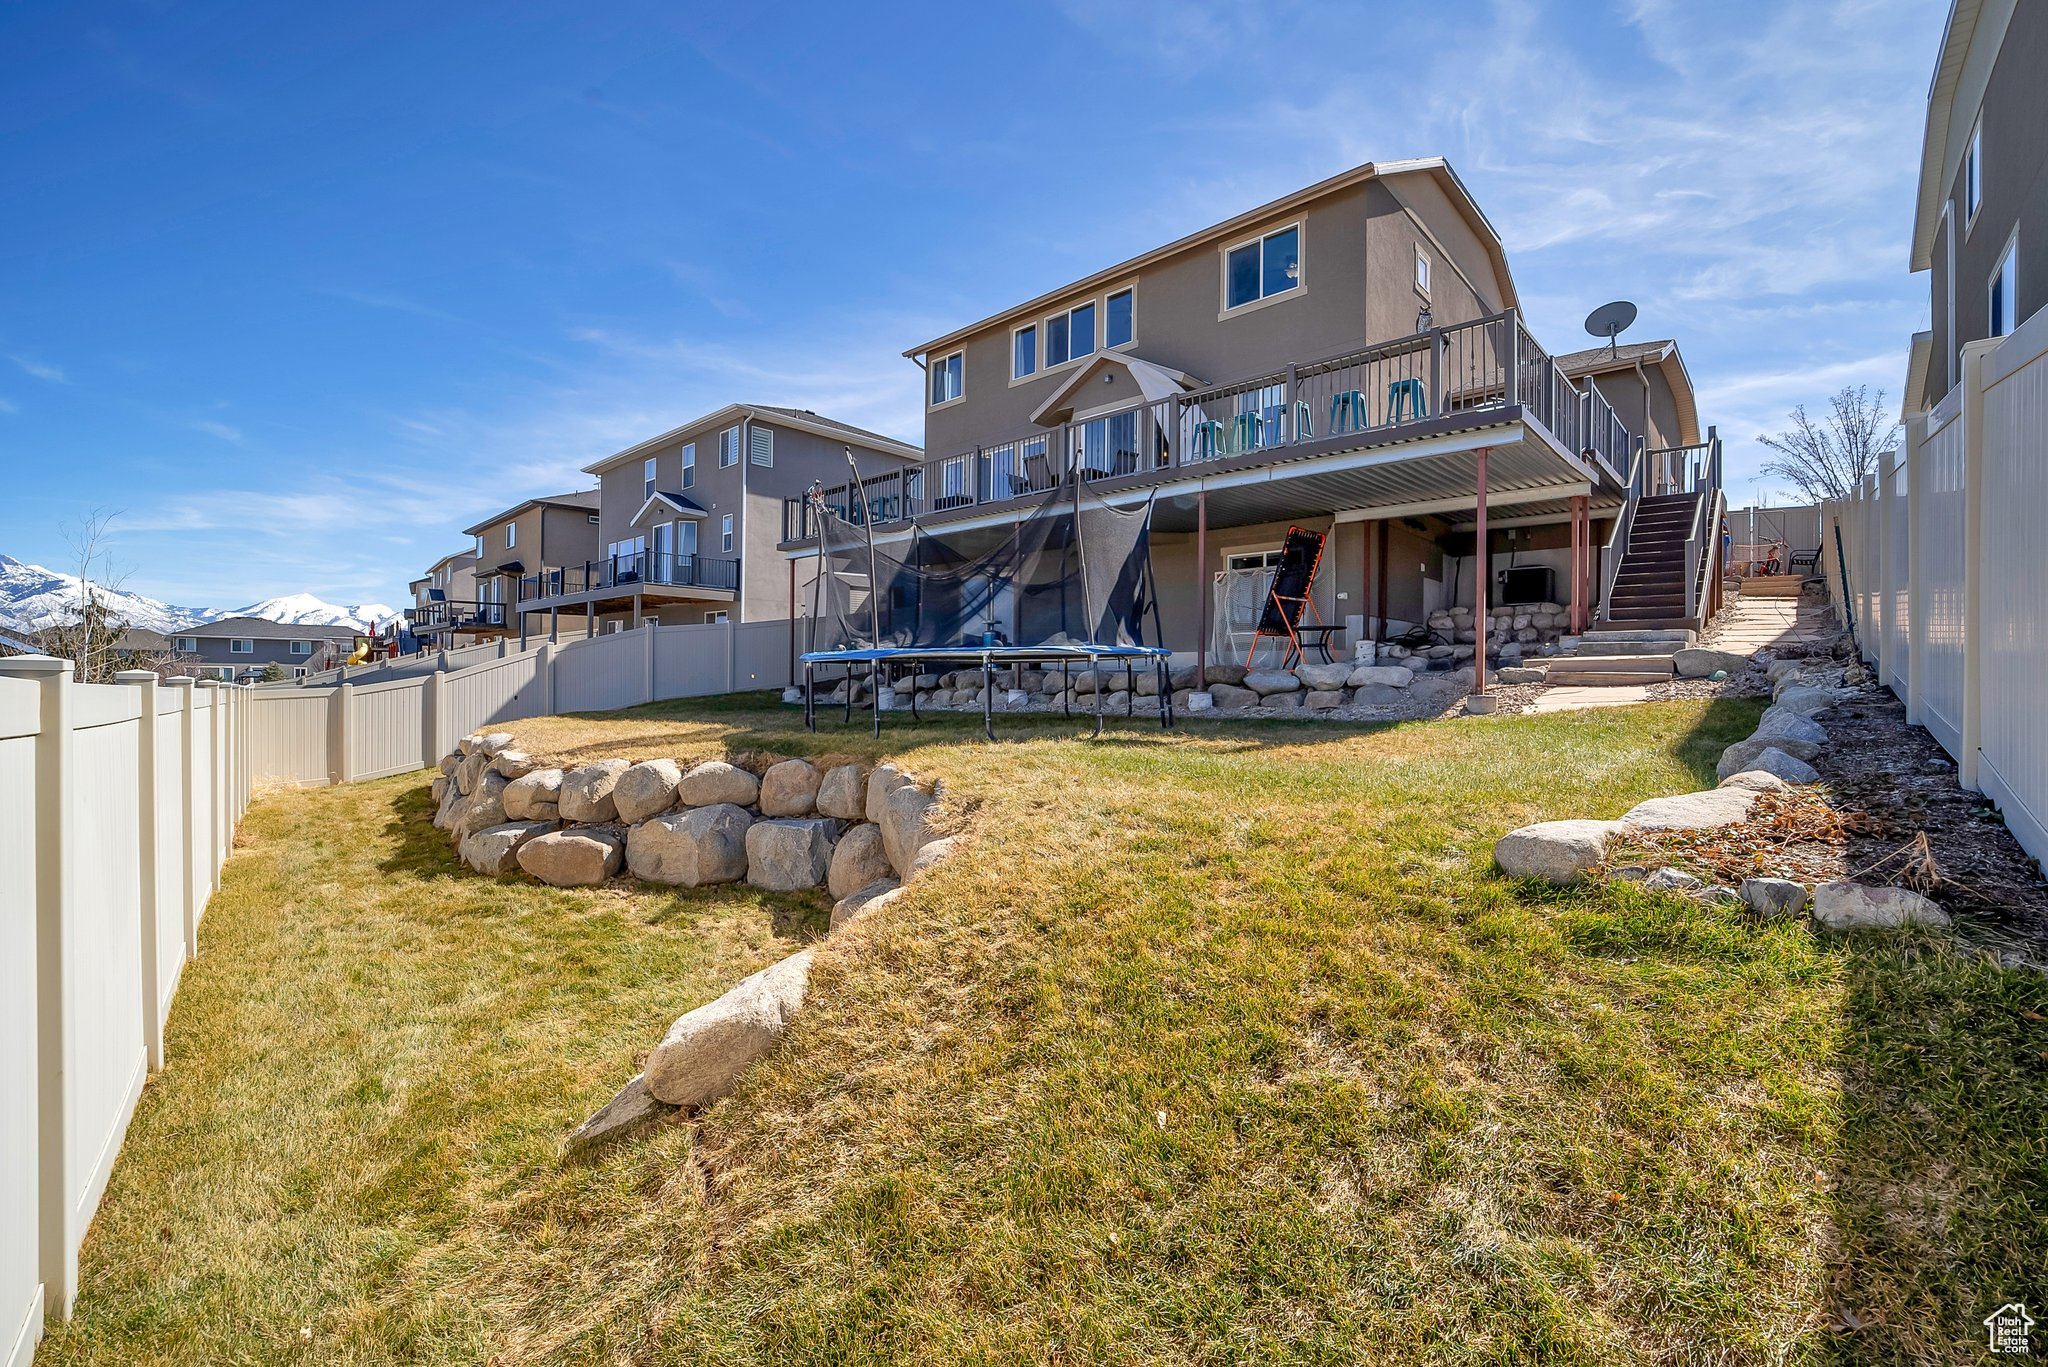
x=38, y=369
x=8, y=406
x=218, y=429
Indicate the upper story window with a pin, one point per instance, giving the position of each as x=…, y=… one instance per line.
x=2005, y=293
x=647, y=479
x=479, y=545
x=1070, y=335
x=302, y=647
x=949, y=378
x=1024, y=351
x=1263, y=268
x=511, y=535
x=761, y=445
x=1422, y=272
x=689, y=463
x=187, y=645
x=728, y=447
x=241, y=645
x=1119, y=318
x=725, y=533
x=1973, y=175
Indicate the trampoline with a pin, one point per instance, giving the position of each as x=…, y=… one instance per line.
x=1068, y=582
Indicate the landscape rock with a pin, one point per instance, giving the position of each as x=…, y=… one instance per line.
x=468, y=744
x=1780, y=724
x=1757, y=779
x=484, y=807
x=1671, y=880
x=1743, y=754
x=692, y=849
x=1380, y=676
x=934, y=853
x=1326, y=678
x=1227, y=674
x=1521, y=674
x=1479, y=704
x=1381, y=695
x=1282, y=702
x=714, y=782
x=1788, y=767
x=1842, y=905
x=472, y=768
x=450, y=806
x=513, y=763
x=883, y=780
x=1690, y=811
x=707, y=1049
x=1231, y=696
x=1698, y=662
x=906, y=825
x=843, y=792
x=579, y=858
x=630, y=1109
x=1721, y=896
x=1556, y=851
x=494, y=850
x=789, y=853
x=879, y=893
x=1320, y=701
x=789, y=788
x=496, y=743
x=858, y=860
x=1774, y=896
x=533, y=797
x=449, y=762
x=1803, y=700
x=1266, y=682
x=438, y=789
x=646, y=789
x=586, y=793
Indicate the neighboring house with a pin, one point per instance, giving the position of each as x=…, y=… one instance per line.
x=688, y=522
x=1337, y=359
x=518, y=544
x=238, y=649
x=1650, y=390
x=1980, y=227
x=444, y=602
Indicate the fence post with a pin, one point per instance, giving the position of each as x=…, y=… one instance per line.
x=56, y=1239
x=187, y=858
x=148, y=853
x=431, y=705
x=647, y=658
x=732, y=649
x=544, y=673
x=342, y=765
x=1887, y=610
x=1972, y=418
x=1916, y=589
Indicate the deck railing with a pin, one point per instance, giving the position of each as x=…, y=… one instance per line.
x=455, y=615
x=643, y=569
x=1487, y=363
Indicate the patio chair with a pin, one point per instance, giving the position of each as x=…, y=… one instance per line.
x=1304, y=421
x=1807, y=561
x=1288, y=600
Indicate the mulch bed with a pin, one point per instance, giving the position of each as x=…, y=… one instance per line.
x=1795, y=835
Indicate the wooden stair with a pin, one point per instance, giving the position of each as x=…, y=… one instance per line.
x=1649, y=585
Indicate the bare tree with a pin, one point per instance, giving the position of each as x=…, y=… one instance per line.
x=89, y=633
x=1830, y=458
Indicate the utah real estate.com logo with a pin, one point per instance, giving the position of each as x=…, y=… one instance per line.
x=2008, y=1326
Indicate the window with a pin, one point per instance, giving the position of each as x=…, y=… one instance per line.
x=479, y=545
x=1024, y=352
x=686, y=538
x=2005, y=292
x=302, y=647
x=948, y=379
x=689, y=463
x=716, y=619
x=511, y=535
x=1118, y=319
x=241, y=646
x=1262, y=269
x=728, y=447
x=593, y=519
x=298, y=671
x=647, y=479
x=761, y=445
x=187, y=645
x=1973, y=175
x=1070, y=335
x=1422, y=272
x=725, y=533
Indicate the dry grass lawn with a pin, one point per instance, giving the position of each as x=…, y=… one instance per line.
x=1223, y=1047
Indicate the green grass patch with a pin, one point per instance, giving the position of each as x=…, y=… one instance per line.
x=1224, y=1046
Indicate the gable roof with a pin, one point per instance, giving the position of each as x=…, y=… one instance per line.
x=583, y=499
x=1435, y=168
x=1599, y=360
x=801, y=419
x=1974, y=27
x=263, y=629
x=678, y=503
x=1154, y=381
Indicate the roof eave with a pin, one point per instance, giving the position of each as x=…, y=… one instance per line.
x=872, y=441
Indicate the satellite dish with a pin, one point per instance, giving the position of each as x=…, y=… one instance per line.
x=1611, y=320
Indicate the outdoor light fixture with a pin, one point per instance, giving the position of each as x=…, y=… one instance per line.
x=1422, y=319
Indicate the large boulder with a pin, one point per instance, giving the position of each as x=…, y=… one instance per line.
x=1555, y=851
x=587, y=792
x=494, y=850
x=578, y=858
x=1380, y=676
x=860, y=858
x=879, y=893
x=513, y=763
x=1268, y=682
x=906, y=824
x=646, y=789
x=883, y=780
x=715, y=781
x=1805, y=701
x=1232, y=697
x=1382, y=695
x=473, y=767
x=1843, y=905
x=1743, y=754
x=535, y=796
x=843, y=792
x=934, y=853
x=449, y=762
x=1781, y=724
x=691, y=849
x=705, y=1051
x=1698, y=662
x=1771, y=760
x=1757, y=779
x=789, y=788
x=496, y=743
x=450, y=806
x=1323, y=678
x=1690, y=811
x=1320, y=701
x=484, y=807
x=630, y=1109
x=790, y=853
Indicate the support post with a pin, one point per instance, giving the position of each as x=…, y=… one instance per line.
x=589, y=620
x=187, y=858
x=341, y=763
x=647, y=657
x=433, y=703
x=144, y=682
x=1480, y=580
x=1916, y=589
x=1202, y=589
x=1572, y=603
x=1969, y=763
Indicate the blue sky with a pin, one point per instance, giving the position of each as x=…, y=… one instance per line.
x=303, y=290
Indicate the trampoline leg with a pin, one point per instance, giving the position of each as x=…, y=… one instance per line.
x=1066, y=691
x=1130, y=690
x=848, y=719
x=875, y=676
x=1165, y=695
x=810, y=700
x=1098, y=696
x=914, y=717
x=988, y=701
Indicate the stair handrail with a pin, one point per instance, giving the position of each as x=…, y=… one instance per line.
x=1624, y=525
x=1706, y=521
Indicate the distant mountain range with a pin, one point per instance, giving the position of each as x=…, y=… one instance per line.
x=31, y=596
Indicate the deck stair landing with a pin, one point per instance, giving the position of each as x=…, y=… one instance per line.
x=1620, y=655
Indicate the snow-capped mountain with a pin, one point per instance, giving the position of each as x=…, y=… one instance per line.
x=31, y=596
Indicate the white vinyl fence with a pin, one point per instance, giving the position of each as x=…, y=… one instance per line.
x=1946, y=574
x=118, y=804
x=348, y=731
